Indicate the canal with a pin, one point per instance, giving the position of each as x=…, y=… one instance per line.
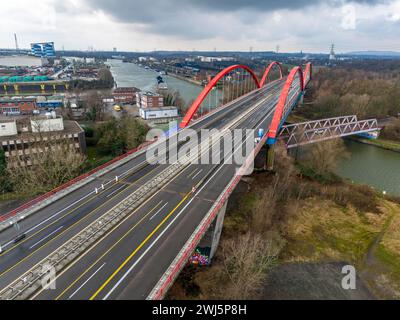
x=371, y=165
x=367, y=164
x=130, y=74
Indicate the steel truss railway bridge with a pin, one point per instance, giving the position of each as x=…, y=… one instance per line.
x=127, y=228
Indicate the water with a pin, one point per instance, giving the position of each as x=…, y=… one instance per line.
x=370, y=165
x=130, y=74
x=19, y=61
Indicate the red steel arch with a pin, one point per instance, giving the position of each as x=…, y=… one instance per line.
x=196, y=104
x=307, y=74
x=280, y=107
x=267, y=71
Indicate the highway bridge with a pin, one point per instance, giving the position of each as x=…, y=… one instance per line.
x=126, y=229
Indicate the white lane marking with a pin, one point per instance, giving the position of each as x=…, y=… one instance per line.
x=83, y=284
x=197, y=174
x=49, y=235
x=131, y=169
x=159, y=211
x=115, y=191
x=51, y=217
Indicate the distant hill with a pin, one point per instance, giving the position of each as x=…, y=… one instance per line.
x=375, y=53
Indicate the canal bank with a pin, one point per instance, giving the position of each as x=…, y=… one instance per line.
x=364, y=164
x=371, y=165
x=197, y=83
x=379, y=143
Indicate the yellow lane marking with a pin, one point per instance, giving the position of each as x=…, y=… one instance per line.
x=63, y=216
x=70, y=227
x=104, y=254
x=120, y=223
x=138, y=248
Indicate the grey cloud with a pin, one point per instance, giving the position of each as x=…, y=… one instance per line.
x=207, y=19
x=145, y=10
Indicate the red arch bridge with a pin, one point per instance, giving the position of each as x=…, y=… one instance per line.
x=127, y=228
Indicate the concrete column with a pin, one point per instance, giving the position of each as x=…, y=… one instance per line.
x=302, y=98
x=219, y=223
x=270, y=157
x=209, y=244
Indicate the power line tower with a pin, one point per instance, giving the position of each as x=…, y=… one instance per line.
x=332, y=55
x=16, y=42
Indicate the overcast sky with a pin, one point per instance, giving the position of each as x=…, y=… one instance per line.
x=145, y=25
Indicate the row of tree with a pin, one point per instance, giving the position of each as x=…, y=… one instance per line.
x=105, y=81
x=116, y=136
x=367, y=94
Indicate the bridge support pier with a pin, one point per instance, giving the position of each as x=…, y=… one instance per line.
x=302, y=97
x=208, y=245
x=270, y=157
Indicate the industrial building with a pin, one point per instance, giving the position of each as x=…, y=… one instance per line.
x=17, y=106
x=125, y=95
x=149, y=100
x=20, y=138
x=50, y=102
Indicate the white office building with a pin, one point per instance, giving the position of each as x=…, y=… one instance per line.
x=158, y=113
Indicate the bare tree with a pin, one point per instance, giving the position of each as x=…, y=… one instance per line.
x=95, y=106
x=324, y=155
x=247, y=260
x=52, y=163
